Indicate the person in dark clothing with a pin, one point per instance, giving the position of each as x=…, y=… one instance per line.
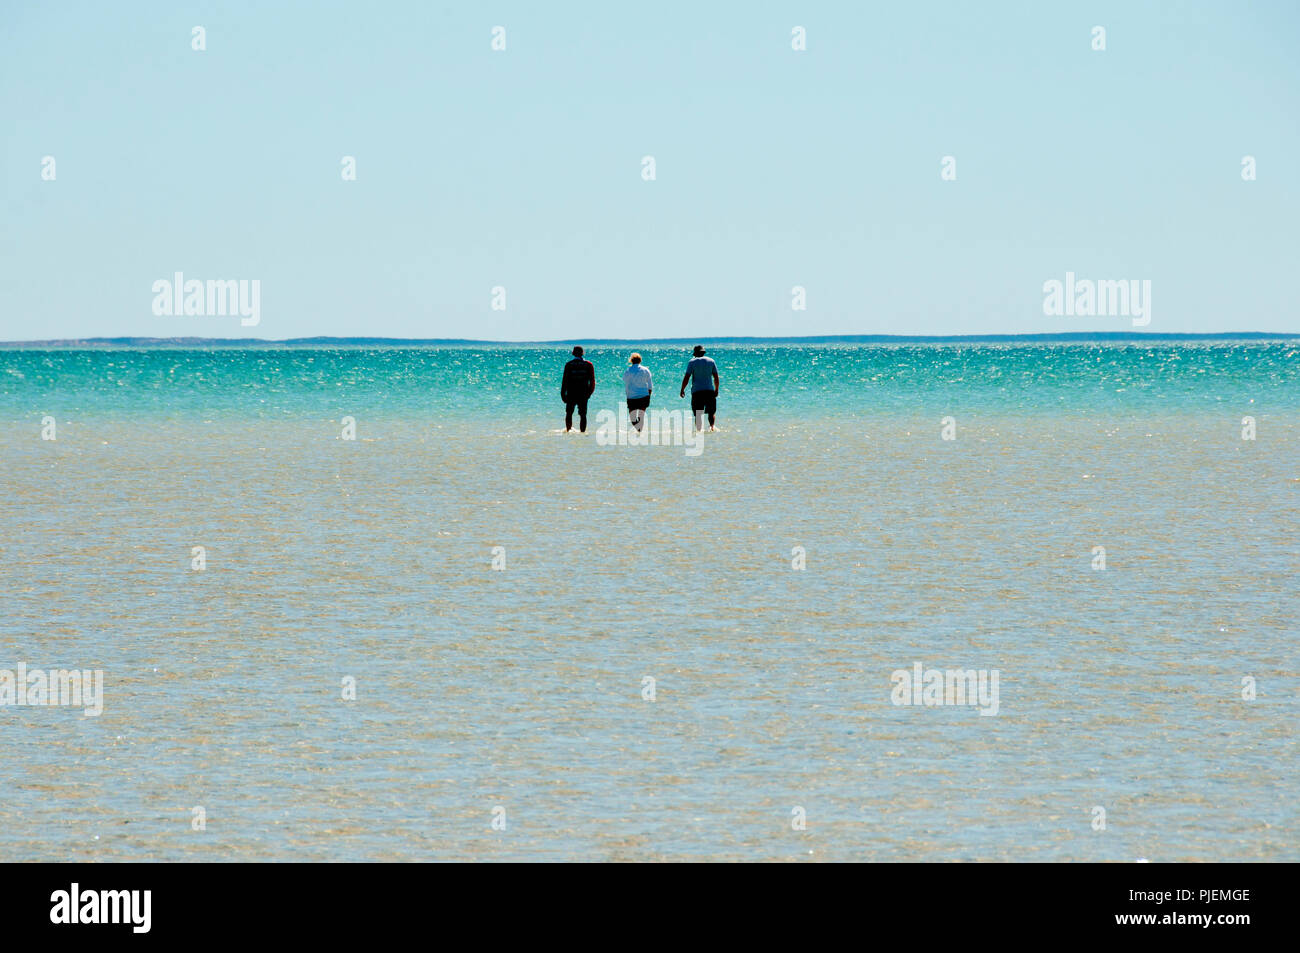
x=576, y=387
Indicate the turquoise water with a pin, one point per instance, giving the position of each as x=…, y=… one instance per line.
x=522, y=688
x=775, y=380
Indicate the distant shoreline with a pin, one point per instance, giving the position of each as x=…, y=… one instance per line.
x=1085, y=337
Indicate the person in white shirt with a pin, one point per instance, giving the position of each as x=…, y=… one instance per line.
x=639, y=385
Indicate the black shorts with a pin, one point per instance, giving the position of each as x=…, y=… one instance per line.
x=579, y=402
x=639, y=403
x=705, y=400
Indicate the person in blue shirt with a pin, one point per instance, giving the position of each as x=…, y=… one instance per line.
x=639, y=385
x=703, y=375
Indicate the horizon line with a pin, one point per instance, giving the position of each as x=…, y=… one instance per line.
x=327, y=340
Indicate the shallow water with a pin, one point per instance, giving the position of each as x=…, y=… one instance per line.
x=522, y=689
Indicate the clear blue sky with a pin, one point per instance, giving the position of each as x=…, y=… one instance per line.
x=522, y=168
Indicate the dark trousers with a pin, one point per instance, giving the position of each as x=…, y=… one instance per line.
x=581, y=403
